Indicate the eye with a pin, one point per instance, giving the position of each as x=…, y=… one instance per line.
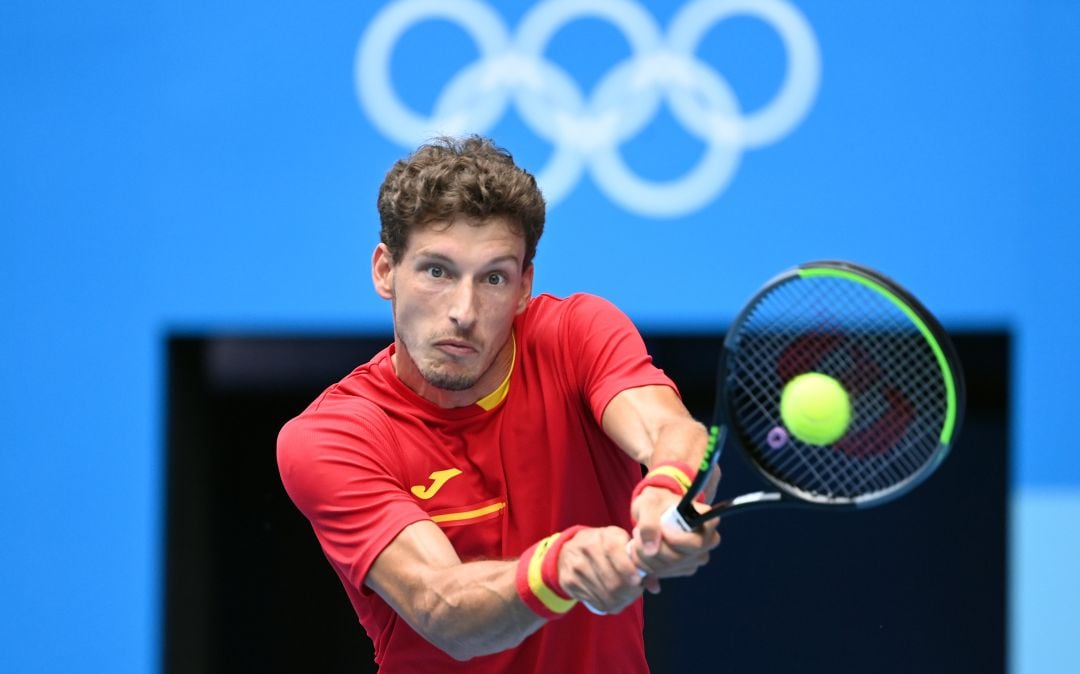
x=435, y=271
x=496, y=279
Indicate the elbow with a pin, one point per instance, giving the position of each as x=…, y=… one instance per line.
x=462, y=646
x=454, y=649
x=456, y=646
x=461, y=655
x=443, y=638
x=446, y=630
x=462, y=651
x=438, y=623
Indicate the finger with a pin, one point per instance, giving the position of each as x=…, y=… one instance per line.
x=648, y=536
x=652, y=584
x=605, y=598
x=600, y=572
x=613, y=567
x=647, y=511
x=684, y=560
x=619, y=577
x=674, y=546
x=682, y=542
x=646, y=564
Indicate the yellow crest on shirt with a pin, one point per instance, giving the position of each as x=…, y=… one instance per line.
x=438, y=479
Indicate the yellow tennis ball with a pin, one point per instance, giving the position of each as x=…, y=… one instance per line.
x=815, y=408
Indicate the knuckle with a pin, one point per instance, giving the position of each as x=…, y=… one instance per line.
x=615, y=531
x=578, y=567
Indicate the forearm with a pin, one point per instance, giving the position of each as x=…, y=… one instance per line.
x=651, y=425
x=475, y=608
x=471, y=609
x=678, y=439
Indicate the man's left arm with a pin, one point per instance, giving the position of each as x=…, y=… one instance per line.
x=651, y=424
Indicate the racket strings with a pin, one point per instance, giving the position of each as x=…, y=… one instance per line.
x=866, y=458
x=861, y=338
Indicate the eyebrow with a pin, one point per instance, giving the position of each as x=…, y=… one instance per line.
x=439, y=257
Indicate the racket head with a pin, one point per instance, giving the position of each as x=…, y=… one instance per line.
x=890, y=354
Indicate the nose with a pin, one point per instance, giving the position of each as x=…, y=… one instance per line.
x=462, y=310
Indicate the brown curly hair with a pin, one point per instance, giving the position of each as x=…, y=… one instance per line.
x=459, y=177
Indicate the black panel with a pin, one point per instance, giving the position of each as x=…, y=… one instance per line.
x=917, y=585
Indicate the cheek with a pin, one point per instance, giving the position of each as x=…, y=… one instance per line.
x=422, y=312
x=500, y=313
x=410, y=310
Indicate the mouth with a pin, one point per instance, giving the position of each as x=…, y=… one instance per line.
x=456, y=347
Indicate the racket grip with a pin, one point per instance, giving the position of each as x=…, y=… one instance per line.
x=673, y=519
x=593, y=609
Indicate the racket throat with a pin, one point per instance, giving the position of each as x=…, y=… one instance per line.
x=747, y=502
x=689, y=521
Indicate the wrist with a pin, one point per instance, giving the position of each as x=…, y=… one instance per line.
x=537, y=576
x=674, y=476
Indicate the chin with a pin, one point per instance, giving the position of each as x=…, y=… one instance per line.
x=450, y=381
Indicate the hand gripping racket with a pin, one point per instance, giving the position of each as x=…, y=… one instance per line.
x=889, y=354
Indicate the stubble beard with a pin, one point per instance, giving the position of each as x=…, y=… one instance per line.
x=447, y=381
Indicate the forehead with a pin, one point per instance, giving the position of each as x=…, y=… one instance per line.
x=495, y=235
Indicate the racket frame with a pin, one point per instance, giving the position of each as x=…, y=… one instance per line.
x=685, y=515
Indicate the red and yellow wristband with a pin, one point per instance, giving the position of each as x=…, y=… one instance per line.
x=675, y=476
x=537, y=577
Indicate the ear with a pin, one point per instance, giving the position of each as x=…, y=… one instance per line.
x=526, y=288
x=382, y=272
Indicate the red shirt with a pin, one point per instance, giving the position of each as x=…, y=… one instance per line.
x=370, y=456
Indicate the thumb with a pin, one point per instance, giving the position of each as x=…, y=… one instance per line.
x=648, y=535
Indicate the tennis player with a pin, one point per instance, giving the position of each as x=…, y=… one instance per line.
x=479, y=481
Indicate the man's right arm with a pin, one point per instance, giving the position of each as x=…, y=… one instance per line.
x=471, y=609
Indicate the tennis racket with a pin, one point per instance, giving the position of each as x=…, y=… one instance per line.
x=892, y=358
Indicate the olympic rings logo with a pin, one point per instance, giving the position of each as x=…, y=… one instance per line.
x=586, y=131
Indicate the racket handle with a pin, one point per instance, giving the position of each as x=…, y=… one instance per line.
x=593, y=609
x=673, y=519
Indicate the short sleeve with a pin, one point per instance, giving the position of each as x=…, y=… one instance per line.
x=607, y=352
x=339, y=467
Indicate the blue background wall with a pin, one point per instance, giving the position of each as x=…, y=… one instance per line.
x=211, y=167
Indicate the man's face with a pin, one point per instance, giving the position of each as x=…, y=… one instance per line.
x=455, y=294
